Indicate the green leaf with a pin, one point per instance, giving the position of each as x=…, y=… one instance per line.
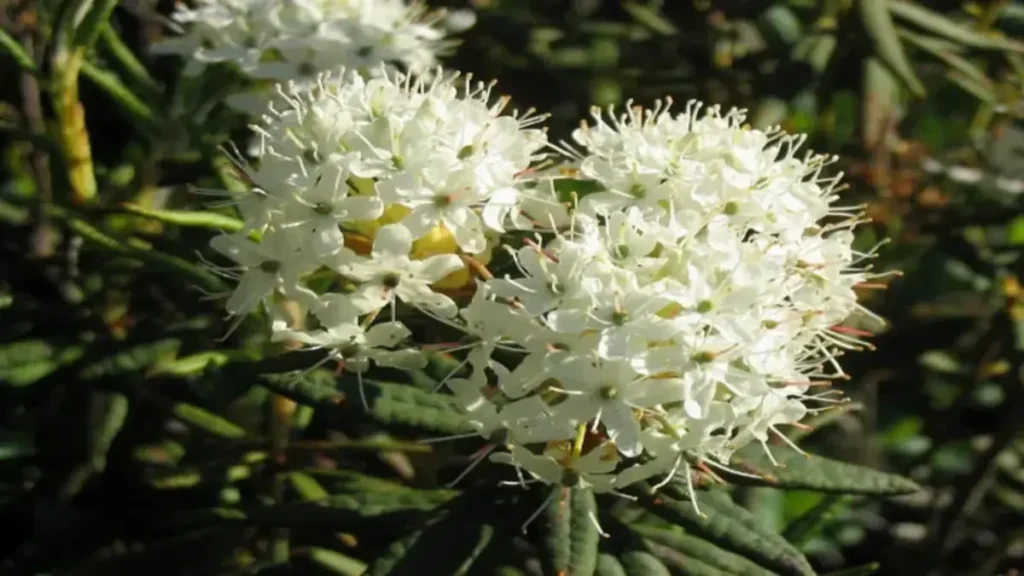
x=970, y=85
x=197, y=363
x=306, y=486
x=207, y=421
x=176, y=267
x=448, y=545
x=799, y=472
x=388, y=402
x=336, y=513
x=865, y=570
x=780, y=25
x=182, y=477
x=731, y=527
x=608, y=565
x=350, y=481
x=803, y=528
x=914, y=13
x=571, y=536
x=126, y=58
x=878, y=23
x=107, y=414
x=136, y=110
x=650, y=18
x=187, y=218
x=1015, y=231
x=693, y=549
x=197, y=550
x=950, y=58
x=686, y=566
x=17, y=52
x=641, y=563
x=92, y=16
x=29, y=361
x=568, y=189
x=336, y=562
x=133, y=359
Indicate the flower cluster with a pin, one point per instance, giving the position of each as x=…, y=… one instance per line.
x=381, y=182
x=296, y=39
x=691, y=305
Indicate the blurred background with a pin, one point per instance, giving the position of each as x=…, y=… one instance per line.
x=923, y=103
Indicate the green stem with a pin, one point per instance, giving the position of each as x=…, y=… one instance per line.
x=71, y=130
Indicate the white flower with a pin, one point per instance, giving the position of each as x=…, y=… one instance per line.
x=547, y=282
x=389, y=273
x=440, y=148
x=290, y=39
x=608, y=393
x=357, y=347
x=319, y=211
x=276, y=262
x=517, y=421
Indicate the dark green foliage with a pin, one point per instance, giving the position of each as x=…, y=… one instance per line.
x=571, y=532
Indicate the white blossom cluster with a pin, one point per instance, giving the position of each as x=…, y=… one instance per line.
x=297, y=39
x=691, y=305
x=393, y=160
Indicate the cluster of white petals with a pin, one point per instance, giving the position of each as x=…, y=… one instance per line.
x=351, y=174
x=296, y=39
x=689, y=306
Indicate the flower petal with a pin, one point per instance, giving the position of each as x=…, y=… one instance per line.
x=392, y=240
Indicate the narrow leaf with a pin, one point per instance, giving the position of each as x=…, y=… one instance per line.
x=641, y=563
x=124, y=56
x=608, y=565
x=449, y=545
x=183, y=477
x=571, y=536
x=336, y=513
x=336, y=562
x=135, y=109
x=918, y=15
x=196, y=363
x=165, y=262
x=697, y=549
x=799, y=472
x=206, y=421
x=107, y=414
x=951, y=59
x=197, y=550
x=388, y=402
x=677, y=563
x=133, y=359
x=17, y=52
x=96, y=15
x=306, y=486
x=971, y=86
x=29, y=361
x=802, y=528
x=880, y=29
x=732, y=528
x=650, y=18
x=187, y=218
